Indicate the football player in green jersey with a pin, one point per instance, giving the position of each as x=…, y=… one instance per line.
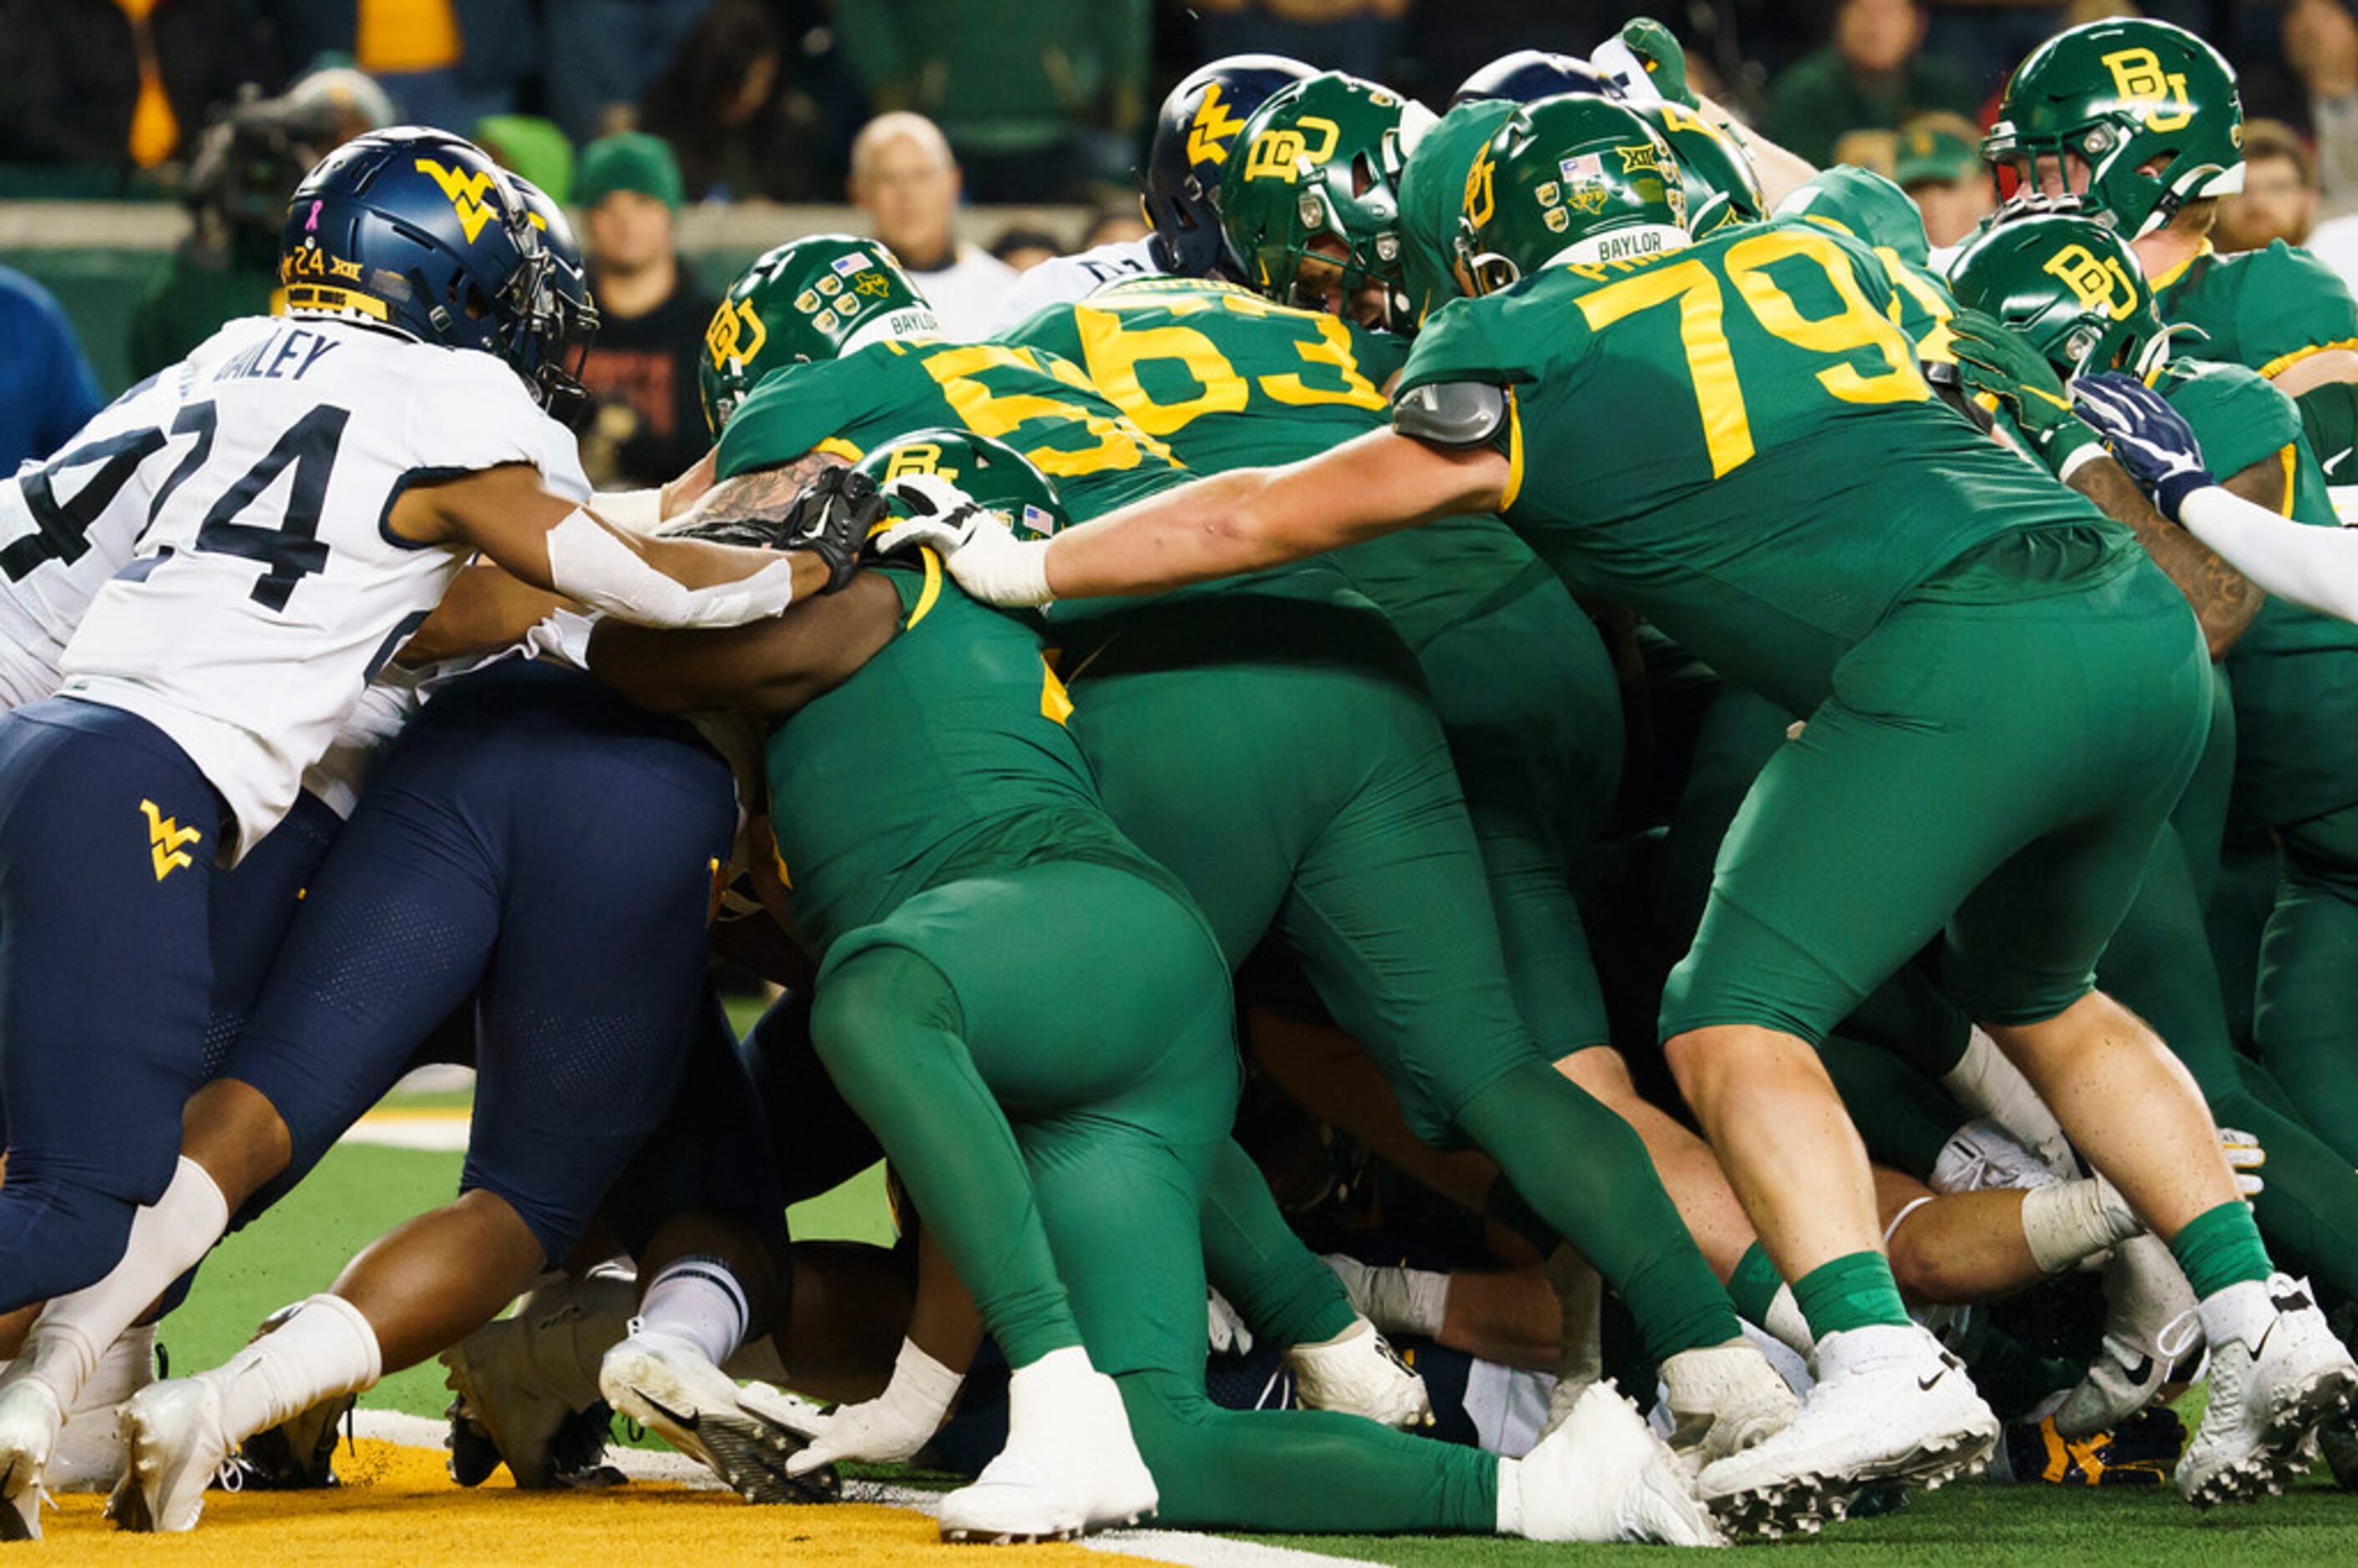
x=2142, y=120
x=1900, y=597
x=950, y=863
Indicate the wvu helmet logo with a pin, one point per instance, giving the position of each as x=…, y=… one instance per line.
x=168, y=842
x=1209, y=133
x=736, y=334
x=468, y=194
x=919, y=457
x=1481, y=196
x=1286, y=153
x=2099, y=284
x=2139, y=75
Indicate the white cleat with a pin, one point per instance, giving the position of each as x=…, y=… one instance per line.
x=1358, y=1373
x=1890, y=1405
x=30, y=1421
x=1070, y=1465
x=1603, y=1476
x=743, y=1435
x=1982, y=1156
x=1724, y=1399
x=90, y=1453
x=2273, y=1382
x=2149, y=1322
x=178, y=1445
x=522, y=1381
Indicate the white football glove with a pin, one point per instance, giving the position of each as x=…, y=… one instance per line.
x=2245, y=1157
x=1230, y=1334
x=1619, y=64
x=891, y=1427
x=976, y=543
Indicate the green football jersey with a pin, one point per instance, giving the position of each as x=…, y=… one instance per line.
x=1432, y=193
x=2261, y=309
x=1877, y=214
x=1042, y=405
x=1231, y=381
x=1733, y=441
x=945, y=755
x=2294, y=673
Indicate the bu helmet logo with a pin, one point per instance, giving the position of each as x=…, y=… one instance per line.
x=1286, y=153
x=1213, y=127
x=919, y=457
x=2139, y=75
x=468, y=194
x=2101, y=283
x=1481, y=201
x=736, y=334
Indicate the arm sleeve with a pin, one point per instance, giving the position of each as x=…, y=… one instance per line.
x=2316, y=568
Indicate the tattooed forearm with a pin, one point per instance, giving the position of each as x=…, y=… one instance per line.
x=761, y=493
x=2225, y=601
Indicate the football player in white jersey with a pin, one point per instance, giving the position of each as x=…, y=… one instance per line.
x=325, y=475
x=1197, y=124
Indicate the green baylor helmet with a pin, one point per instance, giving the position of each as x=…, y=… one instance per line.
x=992, y=471
x=1322, y=160
x=1575, y=179
x=1721, y=187
x=2150, y=109
x=2070, y=286
x=812, y=298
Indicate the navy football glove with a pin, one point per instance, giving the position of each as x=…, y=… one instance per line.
x=2148, y=438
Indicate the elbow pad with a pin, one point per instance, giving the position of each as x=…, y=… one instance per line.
x=587, y=562
x=1452, y=412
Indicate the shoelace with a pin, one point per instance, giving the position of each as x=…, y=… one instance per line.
x=2178, y=1336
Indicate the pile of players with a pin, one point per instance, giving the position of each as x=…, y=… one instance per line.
x=1780, y=779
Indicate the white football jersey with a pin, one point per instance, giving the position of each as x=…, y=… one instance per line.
x=266, y=590
x=69, y=523
x=1061, y=280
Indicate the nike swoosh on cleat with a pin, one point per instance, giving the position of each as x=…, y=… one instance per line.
x=1925, y=1384
x=2141, y=1371
x=686, y=1422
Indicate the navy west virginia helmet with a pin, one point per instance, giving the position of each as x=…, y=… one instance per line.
x=1530, y=74
x=420, y=230
x=561, y=340
x=1193, y=136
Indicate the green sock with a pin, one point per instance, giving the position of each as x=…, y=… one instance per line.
x=2220, y=1247
x=1853, y=1291
x=1754, y=1284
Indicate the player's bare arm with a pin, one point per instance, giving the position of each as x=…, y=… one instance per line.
x=484, y=609
x=2320, y=369
x=552, y=544
x=771, y=667
x=747, y=497
x=2225, y=601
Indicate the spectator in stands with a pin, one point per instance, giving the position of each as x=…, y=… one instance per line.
x=603, y=55
x=652, y=315
x=1873, y=76
x=118, y=87
x=2320, y=46
x=903, y=175
x=734, y=112
x=2278, y=200
x=1939, y=163
x=1024, y=247
x=1038, y=98
x=1362, y=37
x=46, y=390
x=1113, y=224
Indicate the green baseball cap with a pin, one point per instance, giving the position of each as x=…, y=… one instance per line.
x=1934, y=155
x=629, y=160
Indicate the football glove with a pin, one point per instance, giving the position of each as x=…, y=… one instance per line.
x=2148, y=438
x=2244, y=1157
x=830, y=518
x=891, y=1427
x=2140, y=1451
x=1644, y=58
x=1996, y=362
x=975, y=542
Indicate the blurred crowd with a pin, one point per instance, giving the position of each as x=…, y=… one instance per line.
x=629, y=111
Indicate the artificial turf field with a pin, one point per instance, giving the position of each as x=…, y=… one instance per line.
x=400, y=1508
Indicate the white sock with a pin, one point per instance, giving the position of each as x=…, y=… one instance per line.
x=1985, y=1082
x=168, y=1238
x=326, y=1348
x=2068, y=1222
x=1510, y=1497
x=697, y=1302
x=1787, y=1323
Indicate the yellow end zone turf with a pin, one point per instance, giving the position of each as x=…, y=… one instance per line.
x=398, y=1505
